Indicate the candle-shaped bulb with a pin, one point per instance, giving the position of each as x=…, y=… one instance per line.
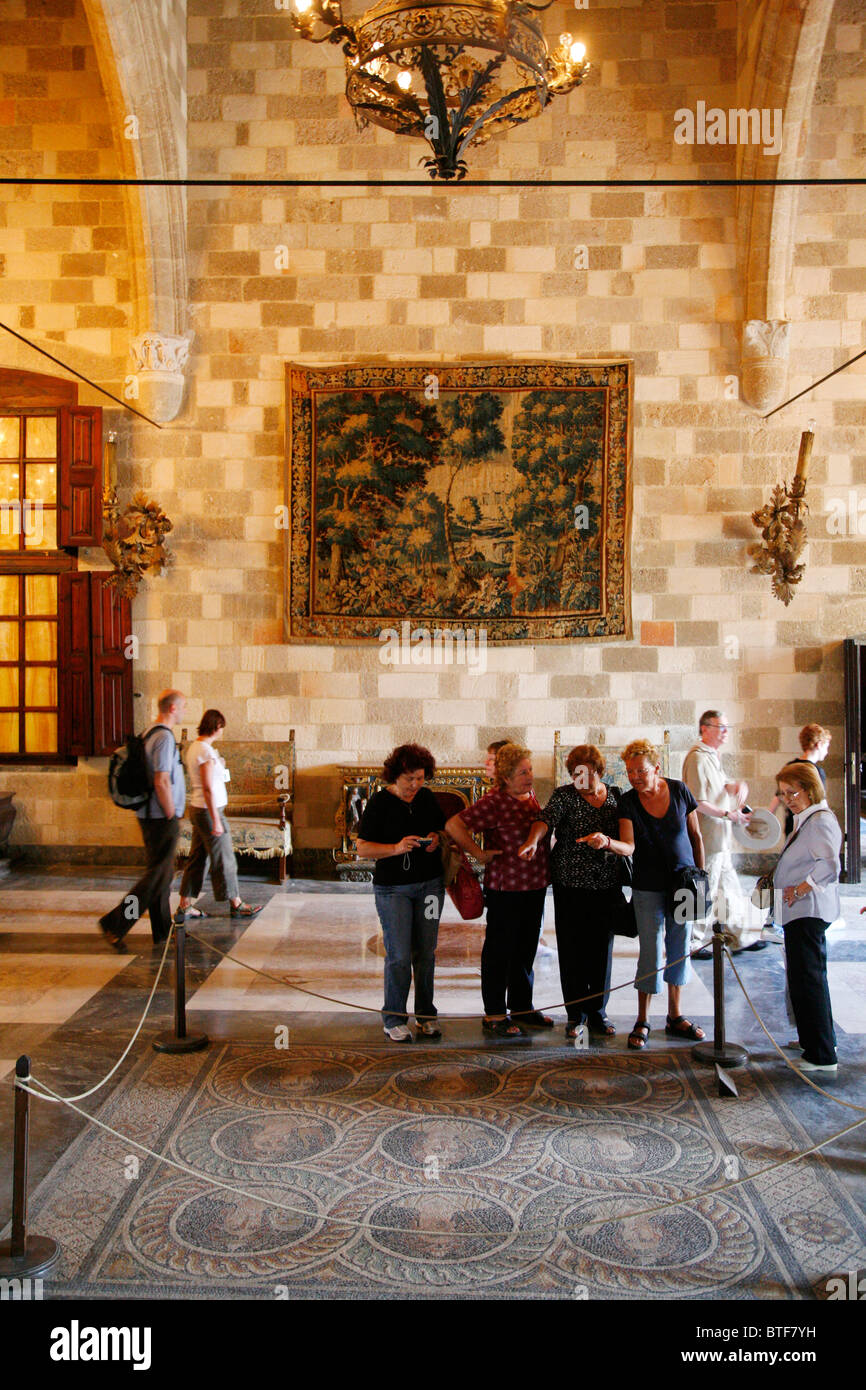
x=806, y=442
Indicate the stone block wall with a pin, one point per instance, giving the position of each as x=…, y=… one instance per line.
x=431, y=274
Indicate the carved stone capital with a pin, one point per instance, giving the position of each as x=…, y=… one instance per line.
x=765, y=362
x=157, y=366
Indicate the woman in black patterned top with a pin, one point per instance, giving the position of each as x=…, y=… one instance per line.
x=586, y=885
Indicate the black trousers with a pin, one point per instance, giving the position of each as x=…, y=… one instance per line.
x=584, y=941
x=510, y=943
x=806, y=957
x=151, y=892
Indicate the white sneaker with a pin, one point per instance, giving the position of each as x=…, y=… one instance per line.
x=828, y=1069
x=399, y=1033
x=773, y=933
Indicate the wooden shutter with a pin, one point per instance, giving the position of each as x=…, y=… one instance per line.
x=75, y=696
x=112, y=666
x=79, y=483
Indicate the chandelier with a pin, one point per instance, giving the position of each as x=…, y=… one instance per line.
x=452, y=73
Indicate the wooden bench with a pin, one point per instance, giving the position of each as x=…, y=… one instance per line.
x=261, y=799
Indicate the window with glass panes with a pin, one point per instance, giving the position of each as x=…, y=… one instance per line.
x=28, y=664
x=65, y=682
x=28, y=481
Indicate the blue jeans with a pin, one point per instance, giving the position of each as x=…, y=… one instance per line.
x=409, y=913
x=655, y=923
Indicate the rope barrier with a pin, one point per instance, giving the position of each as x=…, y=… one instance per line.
x=849, y=1105
x=372, y=1009
x=84, y=1094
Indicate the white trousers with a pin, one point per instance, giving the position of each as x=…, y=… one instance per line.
x=730, y=906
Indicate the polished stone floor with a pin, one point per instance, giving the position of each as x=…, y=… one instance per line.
x=71, y=1004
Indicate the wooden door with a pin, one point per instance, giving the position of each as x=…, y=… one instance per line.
x=855, y=751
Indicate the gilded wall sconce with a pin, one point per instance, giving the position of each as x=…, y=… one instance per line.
x=783, y=527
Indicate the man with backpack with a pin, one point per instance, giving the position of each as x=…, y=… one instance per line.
x=159, y=818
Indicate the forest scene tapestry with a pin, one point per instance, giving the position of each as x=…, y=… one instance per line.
x=478, y=494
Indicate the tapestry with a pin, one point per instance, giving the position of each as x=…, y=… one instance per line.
x=495, y=496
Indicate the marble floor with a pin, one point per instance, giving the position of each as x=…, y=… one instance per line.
x=71, y=1004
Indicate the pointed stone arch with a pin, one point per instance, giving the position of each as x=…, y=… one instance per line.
x=141, y=51
x=782, y=76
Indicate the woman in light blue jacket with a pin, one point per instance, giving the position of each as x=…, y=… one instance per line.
x=806, y=891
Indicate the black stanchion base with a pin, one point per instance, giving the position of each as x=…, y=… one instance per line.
x=193, y=1042
x=731, y=1055
x=40, y=1254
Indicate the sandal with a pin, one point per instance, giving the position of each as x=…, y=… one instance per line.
x=639, y=1036
x=428, y=1028
x=600, y=1026
x=572, y=1029
x=245, y=910
x=503, y=1027
x=536, y=1019
x=683, y=1028
x=192, y=914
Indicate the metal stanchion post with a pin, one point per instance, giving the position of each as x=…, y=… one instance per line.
x=23, y=1254
x=719, y=1052
x=180, y=1040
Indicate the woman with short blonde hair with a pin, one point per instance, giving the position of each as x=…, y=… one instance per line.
x=815, y=743
x=659, y=826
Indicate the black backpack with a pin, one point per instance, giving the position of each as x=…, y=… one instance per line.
x=130, y=780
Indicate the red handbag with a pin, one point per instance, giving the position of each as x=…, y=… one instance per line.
x=464, y=890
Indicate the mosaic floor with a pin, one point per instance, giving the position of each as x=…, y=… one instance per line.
x=459, y=1169
x=458, y=1175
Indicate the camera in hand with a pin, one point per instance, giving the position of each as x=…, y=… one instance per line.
x=428, y=840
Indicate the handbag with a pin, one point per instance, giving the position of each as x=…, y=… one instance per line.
x=624, y=919
x=461, y=884
x=464, y=890
x=762, y=893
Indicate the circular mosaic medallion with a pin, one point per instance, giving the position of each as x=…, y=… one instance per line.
x=442, y=1145
x=631, y=1147
x=302, y=1073
x=701, y=1247
x=260, y=1144
x=441, y=1225
x=447, y=1081
x=185, y=1229
x=593, y=1084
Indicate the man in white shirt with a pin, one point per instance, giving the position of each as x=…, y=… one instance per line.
x=720, y=804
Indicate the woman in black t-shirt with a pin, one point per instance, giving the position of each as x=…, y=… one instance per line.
x=400, y=830
x=659, y=825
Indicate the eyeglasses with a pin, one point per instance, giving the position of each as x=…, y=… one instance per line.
x=789, y=796
x=723, y=728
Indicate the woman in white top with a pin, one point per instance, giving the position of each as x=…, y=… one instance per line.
x=211, y=836
x=806, y=889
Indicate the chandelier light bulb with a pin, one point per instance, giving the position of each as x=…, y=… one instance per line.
x=302, y=6
x=404, y=81
x=577, y=52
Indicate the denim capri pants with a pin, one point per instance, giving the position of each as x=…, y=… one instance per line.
x=661, y=938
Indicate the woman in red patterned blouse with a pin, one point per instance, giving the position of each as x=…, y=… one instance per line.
x=514, y=892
